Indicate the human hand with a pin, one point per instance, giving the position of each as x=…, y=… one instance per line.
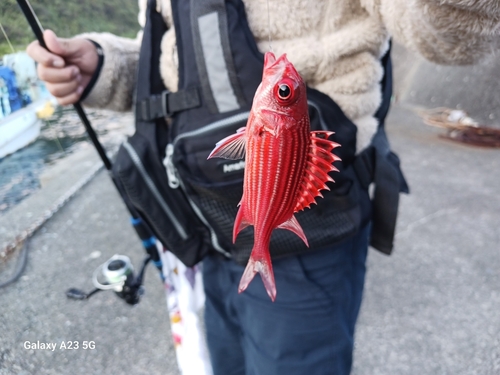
x=67, y=68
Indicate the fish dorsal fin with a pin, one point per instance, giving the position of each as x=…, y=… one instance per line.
x=319, y=164
x=293, y=225
x=231, y=147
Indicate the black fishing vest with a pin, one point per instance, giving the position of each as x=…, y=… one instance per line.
x=191, y=202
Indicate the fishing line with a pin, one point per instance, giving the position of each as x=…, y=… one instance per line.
x=269, y=26
x=7, y=38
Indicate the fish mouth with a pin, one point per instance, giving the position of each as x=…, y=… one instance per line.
x=279, y=67
x=270, y=60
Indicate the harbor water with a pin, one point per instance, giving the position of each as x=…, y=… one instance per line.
x=61, y=135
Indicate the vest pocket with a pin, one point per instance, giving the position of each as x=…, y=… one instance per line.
x=166, y=210
x=219, y=204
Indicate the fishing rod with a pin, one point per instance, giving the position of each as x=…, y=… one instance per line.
x=38, y=31
x=117, y=271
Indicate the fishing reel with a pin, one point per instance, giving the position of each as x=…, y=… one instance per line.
x=116, y=274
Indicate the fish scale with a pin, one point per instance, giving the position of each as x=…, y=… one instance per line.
x=274, y=182
x=286, y=164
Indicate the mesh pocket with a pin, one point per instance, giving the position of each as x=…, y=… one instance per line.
x=220, y=204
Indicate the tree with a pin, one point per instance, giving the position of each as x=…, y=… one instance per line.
x=68, y=18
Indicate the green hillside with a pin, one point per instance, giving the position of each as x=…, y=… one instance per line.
x=67, y=18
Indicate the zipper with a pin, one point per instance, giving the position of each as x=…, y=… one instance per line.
x=174, y=181
x=154, y=190
x=168, y=162
x=213, y=126
x=172, y=177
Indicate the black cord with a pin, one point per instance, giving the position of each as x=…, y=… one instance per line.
x=97, y=72
x=21, y=265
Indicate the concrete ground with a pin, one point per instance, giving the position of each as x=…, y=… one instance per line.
x=433, y=306
x=430, y=308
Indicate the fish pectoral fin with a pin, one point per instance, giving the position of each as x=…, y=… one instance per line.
x=294, y=226
x=231, y=147
x=240, y=223
x=319, y=164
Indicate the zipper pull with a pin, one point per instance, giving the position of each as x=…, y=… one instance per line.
x=168, y=162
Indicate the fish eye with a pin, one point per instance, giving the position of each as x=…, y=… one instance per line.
x=285, y=91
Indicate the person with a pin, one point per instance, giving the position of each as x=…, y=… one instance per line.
x=337, y=47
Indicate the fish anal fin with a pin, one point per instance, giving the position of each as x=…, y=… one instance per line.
x=318, y=166
x=294, y=226
x=231, y=147
x=241, y=221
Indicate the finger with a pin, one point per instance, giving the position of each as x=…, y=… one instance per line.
x=60, y=46
x=42, y=56
x=60, y=90
x=70, y=99
x=58, y=75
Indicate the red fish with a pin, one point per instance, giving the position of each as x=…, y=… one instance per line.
x=286, y=164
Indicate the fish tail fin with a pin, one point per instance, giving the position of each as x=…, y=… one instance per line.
x=260, y=261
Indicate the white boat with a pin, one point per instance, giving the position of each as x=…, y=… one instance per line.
x=19, y=128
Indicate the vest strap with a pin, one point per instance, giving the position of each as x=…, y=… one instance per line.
x=220, y=86
x=378, y=164
x=166, y=104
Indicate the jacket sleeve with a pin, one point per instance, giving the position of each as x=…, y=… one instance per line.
x=456, y=32
x=115, y=85
x=114, y=88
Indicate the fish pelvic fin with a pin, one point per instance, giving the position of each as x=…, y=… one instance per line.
x=293, y=225
x=260, y=261
x=231, y=147
x=319, y=164
x=241, y=222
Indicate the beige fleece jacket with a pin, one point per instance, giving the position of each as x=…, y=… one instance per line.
x=336, y=45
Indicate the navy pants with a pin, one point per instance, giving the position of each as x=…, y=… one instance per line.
x=308, y=330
